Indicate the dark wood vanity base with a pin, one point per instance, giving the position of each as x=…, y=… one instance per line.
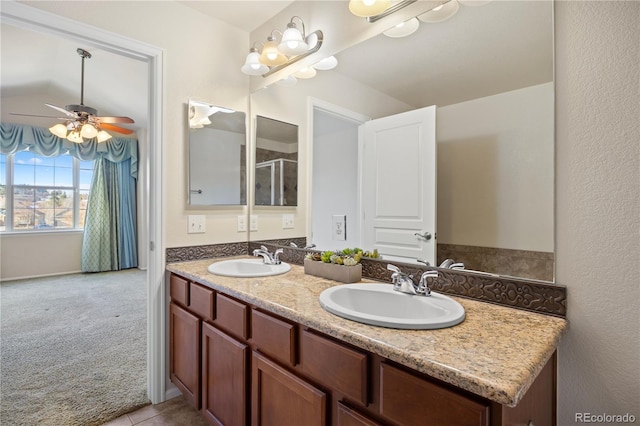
x=239, y=364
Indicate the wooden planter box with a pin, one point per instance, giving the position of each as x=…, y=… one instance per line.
x=331, y=271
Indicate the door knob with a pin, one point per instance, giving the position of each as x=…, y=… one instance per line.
x=425, y=235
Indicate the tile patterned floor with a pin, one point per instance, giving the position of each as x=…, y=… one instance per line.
x=175, y=412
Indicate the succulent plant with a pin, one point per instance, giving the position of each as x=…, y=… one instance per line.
x=347, y=256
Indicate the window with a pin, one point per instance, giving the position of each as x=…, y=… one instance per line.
x=43, y=193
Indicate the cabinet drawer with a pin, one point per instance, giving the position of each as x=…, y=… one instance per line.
x=409, y=400
x=348, y=417
x=274, y=336
x=335, y=365
x=179, y=290
x=202, y=301
x=232, y=316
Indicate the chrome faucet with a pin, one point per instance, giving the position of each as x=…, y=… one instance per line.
x=451, y=264
x=404, y=283
x=268, y=257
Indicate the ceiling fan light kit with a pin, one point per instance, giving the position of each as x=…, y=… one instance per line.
x=81, y=122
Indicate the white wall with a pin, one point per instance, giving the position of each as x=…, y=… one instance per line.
x=40, y=253
x=495, y=170
x=598, y=206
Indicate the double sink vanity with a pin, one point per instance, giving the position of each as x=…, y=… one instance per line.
x=267, y=350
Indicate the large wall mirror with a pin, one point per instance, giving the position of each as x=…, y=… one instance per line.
x=217, y=155
x=276, y=159
x=489, y=71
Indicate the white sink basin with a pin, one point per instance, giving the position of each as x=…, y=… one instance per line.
x=243, y=268
x=381, y=305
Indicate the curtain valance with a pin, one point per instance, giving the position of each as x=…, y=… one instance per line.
x=20, y=137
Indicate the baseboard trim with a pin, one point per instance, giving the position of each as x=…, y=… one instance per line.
x=28, y=277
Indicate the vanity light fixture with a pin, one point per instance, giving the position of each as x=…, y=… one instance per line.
x=200, y=112
x=294, y=45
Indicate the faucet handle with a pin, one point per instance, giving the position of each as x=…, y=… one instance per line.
x=276, y=256
x=423, y=285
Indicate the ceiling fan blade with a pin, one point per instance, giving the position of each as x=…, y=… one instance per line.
x=118, y=129
x=62, y=110
x=43, y=116
x=115, y=120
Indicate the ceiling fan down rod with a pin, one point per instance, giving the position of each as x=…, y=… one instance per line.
x=84, y=54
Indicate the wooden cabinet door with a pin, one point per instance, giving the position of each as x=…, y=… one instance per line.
x=224, y=378
x=410, y=400
x=348, y=417
x=184, y=353
x=280, y=398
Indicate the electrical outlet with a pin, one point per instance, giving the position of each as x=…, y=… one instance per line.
x=339, y=227
x=253, y=222
x=287, y=221
x=242, y=224
x=197, y=224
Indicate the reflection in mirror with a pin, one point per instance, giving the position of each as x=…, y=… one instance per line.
x=217, y=155
x=276, y=177
x=489, y=71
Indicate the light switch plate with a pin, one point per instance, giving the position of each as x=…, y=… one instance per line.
x=197, y=224
x=288, y=221
x=242, y=223
x=253, y=222
x=339, y=227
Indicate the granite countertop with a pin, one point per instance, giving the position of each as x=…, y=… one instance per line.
x=496, y=353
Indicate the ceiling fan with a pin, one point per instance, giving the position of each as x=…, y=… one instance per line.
x=81, y=121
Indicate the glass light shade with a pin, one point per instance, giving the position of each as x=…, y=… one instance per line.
x=292, y=42
x=440, y=13
x=252, y=65
x=270, y=55
x=103, y=136
x=403, y=29
x=88, y=131
x=74, y=136
x=60, y=130
x=289, y=81
x=306, y=72
x=326, y=64
x=366, y=8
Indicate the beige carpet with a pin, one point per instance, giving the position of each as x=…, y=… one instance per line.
x=72, y=348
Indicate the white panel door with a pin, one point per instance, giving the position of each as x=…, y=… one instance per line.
x=399, y=185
